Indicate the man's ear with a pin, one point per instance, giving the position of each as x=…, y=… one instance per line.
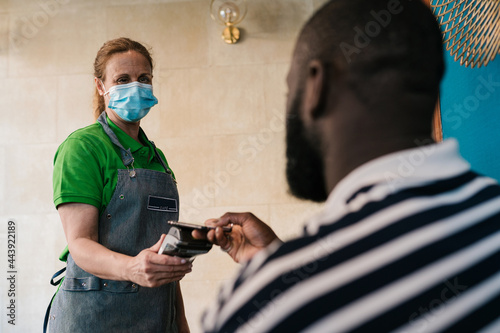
x=315, y=89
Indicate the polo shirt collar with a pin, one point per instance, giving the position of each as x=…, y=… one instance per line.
x=394, y=171
x=129, y=142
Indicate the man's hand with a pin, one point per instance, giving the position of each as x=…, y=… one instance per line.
x=248, y=236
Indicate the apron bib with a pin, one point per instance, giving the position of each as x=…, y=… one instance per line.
x=142, y=203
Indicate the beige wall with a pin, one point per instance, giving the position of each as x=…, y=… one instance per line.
x=220, y=122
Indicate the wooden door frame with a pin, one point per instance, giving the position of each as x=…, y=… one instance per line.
x=437, y=126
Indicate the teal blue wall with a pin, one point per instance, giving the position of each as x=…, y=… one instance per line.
x=470, y=112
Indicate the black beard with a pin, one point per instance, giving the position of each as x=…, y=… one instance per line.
x=304, y=167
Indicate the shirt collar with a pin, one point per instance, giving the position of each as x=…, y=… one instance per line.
x=396, y=170
x=129, y=142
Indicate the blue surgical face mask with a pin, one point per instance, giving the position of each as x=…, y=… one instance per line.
x=131, y=101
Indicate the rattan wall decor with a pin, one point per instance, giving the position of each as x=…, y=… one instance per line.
x=471, y=29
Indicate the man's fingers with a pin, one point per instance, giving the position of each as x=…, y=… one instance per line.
x=236, y=218
x=212, y=222
x=199, y=234
x=211, y=237
x=217, y=237
x=228, y=218
x=222, y=239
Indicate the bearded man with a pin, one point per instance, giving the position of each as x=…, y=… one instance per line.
x=409, y=239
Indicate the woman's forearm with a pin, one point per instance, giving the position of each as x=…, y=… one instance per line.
x=80, y=223
x=98, y=260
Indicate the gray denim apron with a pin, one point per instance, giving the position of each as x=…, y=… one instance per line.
x=142, y=203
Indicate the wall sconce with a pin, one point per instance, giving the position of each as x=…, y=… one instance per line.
x=229, y=13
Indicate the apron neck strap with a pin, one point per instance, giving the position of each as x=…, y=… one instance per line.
x=158, y=157
x=126, y=154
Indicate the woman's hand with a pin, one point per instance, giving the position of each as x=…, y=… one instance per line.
x=150, y=269
x=248, y=236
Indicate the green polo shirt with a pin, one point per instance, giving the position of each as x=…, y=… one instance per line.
x=87, y=162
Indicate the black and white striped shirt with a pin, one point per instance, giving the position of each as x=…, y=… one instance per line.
x=409, y=242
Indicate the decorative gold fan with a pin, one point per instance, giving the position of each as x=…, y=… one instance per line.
x=471, y=29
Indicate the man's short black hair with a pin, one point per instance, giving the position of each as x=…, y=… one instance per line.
x=387, y=47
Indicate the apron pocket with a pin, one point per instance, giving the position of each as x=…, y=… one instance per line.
x=93, y=283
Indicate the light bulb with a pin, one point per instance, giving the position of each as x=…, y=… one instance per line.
x=229, y=12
